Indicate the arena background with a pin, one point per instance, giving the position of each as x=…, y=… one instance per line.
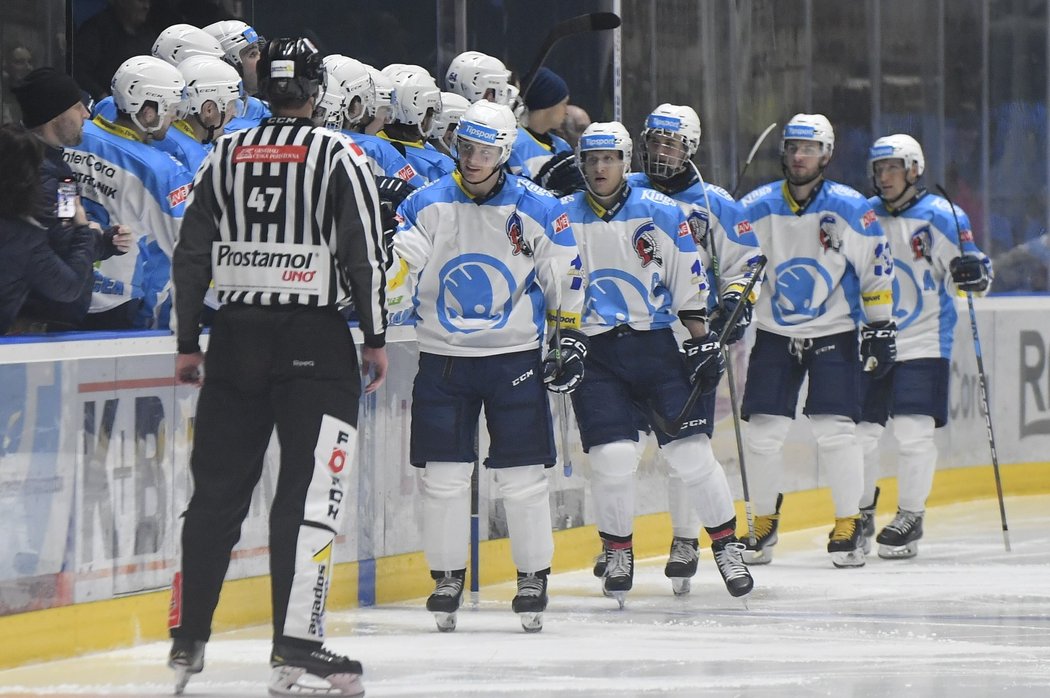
x=94, y=435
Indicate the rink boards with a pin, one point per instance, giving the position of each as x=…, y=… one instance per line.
x=95, y=440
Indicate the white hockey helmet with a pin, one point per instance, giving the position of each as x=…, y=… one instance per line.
x=180, y=41
x=347, y=78
x=452, y=108
x=233, y=36
x=676, y=122
x=473, y=74
x=606, y=135
x=144, y=79
x=809, y=127
x=209, y=79
x=488, y=123
x=399, y=72
x=899, y=146
x=413, y=99
x=382, y=92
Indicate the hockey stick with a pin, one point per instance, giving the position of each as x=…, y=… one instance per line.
x=729, y=363
x=750, y=157
x=982, y=381
x=673, y=426
x=475, y=523
x=595, y=21
x=566, y=457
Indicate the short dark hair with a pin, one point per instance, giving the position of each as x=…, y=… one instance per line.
x=21, y=154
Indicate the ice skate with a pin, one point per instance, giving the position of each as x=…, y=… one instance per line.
x=761, y=553
x=899, y=540
x=844, y=542
x=299, y=671
x=619, y=573
x=531, y=600
x=867, y=521
x=186, y=658
x=728, y=557
x=599, y=564
x=444, y=602
x=681, y=564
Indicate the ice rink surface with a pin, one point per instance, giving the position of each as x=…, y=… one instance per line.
x=963, y=619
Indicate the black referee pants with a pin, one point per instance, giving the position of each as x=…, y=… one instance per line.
x=294, y=368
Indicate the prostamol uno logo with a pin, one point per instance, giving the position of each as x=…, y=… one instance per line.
x=670, y=123
x=469, y=129
x=267, y=260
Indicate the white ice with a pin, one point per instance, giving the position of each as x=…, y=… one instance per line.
x=964, y=619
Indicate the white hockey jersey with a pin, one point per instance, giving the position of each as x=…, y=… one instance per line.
x=724, y=239
x=829, y=265
x=641, y=261
x=485, y=273
x=924, y=240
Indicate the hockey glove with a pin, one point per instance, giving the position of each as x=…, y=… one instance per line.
x=393, y=190
x=729, y=302
x=878, y=348
x=560, y=175
x=704, y=358
x=969, y=274
x=563, y=364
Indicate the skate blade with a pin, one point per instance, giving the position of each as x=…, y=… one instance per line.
x=899, y=552
x=620, y=596
x=757, y=557
x=531, y=622
x=446, y=622
x=846, y=559
x=865, y=543
x=295, y=681
x=681, y=585
x=182, y=677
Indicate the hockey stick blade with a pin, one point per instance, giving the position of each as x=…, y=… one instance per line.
x=595, y=21
x=671, y=427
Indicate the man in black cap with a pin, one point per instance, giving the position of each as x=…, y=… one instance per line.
x=539, y=153
x=53, y=111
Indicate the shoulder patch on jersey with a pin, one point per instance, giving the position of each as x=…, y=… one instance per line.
x=179, y=195
x=757, y=194
x=868, y=218
x=743, y=228
x=269, y=153
x=356, y=148
x=684, y=230
x=406, y=173
x=657, y=197
x=561, y=222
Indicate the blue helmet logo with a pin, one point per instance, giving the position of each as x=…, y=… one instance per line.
x=476, y=292
x=802, y=289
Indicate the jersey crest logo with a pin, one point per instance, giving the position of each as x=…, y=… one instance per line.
x=921, y=243
x=645, y=244
x=829, y=237
x=698, y=223
x=517, y=237
x=868, y=218
x=966, y=235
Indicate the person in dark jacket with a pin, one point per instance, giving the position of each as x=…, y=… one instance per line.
x=27, y=260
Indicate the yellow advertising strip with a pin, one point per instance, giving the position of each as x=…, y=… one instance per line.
x=101, y=625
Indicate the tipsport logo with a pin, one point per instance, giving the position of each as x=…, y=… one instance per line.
x=598, y=142
x=477, y=132
x=800, y=132
x=667, y=123
x=880, y=152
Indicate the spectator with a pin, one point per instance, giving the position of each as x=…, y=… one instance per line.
x=103, y=42
x=26, y=259
x=574, y=123
x=18, y=61
x=52, y=111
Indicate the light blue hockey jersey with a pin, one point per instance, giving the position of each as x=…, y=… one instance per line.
x=427, y=162
x=829, y=265
x=486, y=273
x=529, y=154
x=254, y=112
x=724, y=239
x=924, y=240
x=123, y=180
x=384, y=159
x=177, y=142
x=641, y=261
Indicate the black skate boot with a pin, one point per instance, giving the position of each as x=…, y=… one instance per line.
x=186, y=658
x=619, y=571
x=531, y=599
x=681, y=564
x=728, y=556
x=867, y=521
x=444, y=602
x=900, y=539
x=761, y=553
x=844, y=542
x=599, y=563
x=291, y=663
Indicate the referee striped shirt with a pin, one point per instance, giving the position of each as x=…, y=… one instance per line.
x=282, y=214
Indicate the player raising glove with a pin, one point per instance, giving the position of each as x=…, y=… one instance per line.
x=560, y=175
x=730, y=300
x=969, y=274
x=878, y=347
x=563, y=364
x=392, y=191
x=706, y=363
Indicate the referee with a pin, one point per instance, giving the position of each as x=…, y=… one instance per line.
x=284, y=219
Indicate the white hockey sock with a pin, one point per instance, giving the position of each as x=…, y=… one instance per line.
x=446, y=514
x=694, y=463
x=527, y=503
x=918, y=460
x=868, y=435
x=764, y=441
x=612, y=486
x=840, y=455
x=684, y=520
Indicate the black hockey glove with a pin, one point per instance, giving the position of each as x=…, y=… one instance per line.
x=393, y=190
x=969, y=274
x=560, y=175
x=878, y=348
x=704, y=358
x=717, y=325
x=563, y=364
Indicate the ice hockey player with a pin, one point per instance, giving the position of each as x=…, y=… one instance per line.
x=924, y=239
x=644, y=274
x=539, y=153
x=452, y=108
x=242, y=46
x=416, y=100
x=214, y=96
x=489, y=253
x=725, y=242
x=381, y=111
x=827, y=256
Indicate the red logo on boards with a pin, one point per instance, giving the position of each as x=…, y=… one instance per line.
x=269, y=153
